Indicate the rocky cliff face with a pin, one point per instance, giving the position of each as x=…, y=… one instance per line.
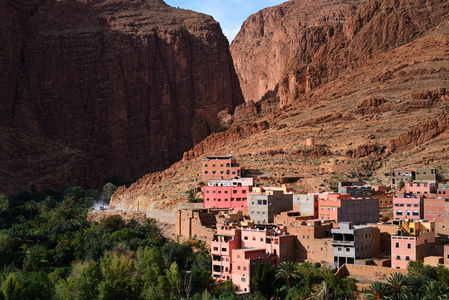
x=271, y=40
x=132, y=85
x=326, y=49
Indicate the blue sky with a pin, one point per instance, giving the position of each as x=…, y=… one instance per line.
x=230, y=13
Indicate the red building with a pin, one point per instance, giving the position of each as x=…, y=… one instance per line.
x=221, y=168
x=434, y=208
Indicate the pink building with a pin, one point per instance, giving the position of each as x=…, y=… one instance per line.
x=226, y=196
x=413, y=241
x=223, y=244
x=221, y=168
x=406, y=206
x=422, y=188
x=235, y=251
x=243, y=261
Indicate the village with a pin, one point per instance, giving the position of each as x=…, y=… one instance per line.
x=245, y=224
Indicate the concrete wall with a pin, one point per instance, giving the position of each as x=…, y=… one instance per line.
x=426, y=175
x=359, y=211
x=263, y=207
x=307, y=204
x=352, y=243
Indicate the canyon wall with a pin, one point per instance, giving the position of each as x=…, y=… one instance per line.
x=309, y=43
x=130, y=85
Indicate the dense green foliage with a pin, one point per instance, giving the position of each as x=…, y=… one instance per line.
x=293, y=281
x=48, y=250
x=422, y=282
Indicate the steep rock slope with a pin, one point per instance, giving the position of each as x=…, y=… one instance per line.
x=374, y=28
x=130, y=84
x=390, y=113
x=272, y=39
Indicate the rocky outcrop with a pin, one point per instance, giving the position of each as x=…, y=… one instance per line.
x=317, y=52
x=421, y=133
x=271, y=40
x=222, y=139
x=130, y=84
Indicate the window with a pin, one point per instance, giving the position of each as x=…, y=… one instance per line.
x=243, y=280
x=215, y=248
x=261, y=239
x=259, y=202
x=206, y=165
x=397, y=245
x=408, y=213
x=264, y=202
x=398, y=257
x=244, y=268
x=415, y=213
x=407, y=258
x=223, y=249
x=213, y=172
x=245, y=238
x=205, y=172
x=219, y=192
x=409, y=205
x=409, y=245
x=207, y=192
x=347, y=249
x=238, y=267
x=415, y=205
x=399, y=212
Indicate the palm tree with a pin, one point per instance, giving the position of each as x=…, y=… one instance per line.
x=377, y=290
x=434, y=290
x=398, y=287
x=288, y=270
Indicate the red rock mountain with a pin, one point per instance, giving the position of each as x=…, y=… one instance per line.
x=374, y=94
x=307, y=43
x=127, y=85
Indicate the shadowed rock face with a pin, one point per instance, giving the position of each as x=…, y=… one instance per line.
x=130, y=84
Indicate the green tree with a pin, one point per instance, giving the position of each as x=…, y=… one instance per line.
x=108, y=190
x=377, y=291
x=399, y=287
x=401, y=184
x=5, y=202
x=174, y=280
x=434, y=290
x=118, y=272
x=288, y=270
x=263, y=279
x=11, y=287
x=112, y=223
